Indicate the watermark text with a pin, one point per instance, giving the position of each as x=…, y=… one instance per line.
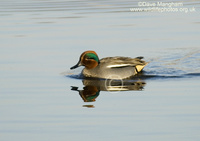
x=162, y=7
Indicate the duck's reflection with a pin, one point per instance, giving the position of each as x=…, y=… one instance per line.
x=88, y=94
x=92, y=88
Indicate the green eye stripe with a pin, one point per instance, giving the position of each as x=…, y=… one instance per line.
x=92, y=56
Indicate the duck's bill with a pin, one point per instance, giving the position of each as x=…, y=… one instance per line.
x=76, y=66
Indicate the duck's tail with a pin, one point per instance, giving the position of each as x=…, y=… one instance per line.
x=140, y=67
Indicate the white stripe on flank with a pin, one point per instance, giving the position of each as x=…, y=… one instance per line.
x=118, y=65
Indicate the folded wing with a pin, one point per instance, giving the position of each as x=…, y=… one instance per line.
x=121, y=62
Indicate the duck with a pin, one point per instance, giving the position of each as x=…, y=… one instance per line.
x=110, y=67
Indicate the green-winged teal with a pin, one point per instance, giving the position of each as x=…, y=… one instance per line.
x=109, y=67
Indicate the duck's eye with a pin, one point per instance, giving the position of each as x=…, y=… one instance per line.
x=90, y=57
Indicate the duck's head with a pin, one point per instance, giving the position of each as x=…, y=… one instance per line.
x=89, y=59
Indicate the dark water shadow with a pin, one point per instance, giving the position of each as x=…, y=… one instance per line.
x=166, y=77
x=144, y=76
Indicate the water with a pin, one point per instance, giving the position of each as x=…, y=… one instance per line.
x=42, y=39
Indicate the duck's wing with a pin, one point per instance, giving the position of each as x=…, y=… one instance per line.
x=121, y=62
